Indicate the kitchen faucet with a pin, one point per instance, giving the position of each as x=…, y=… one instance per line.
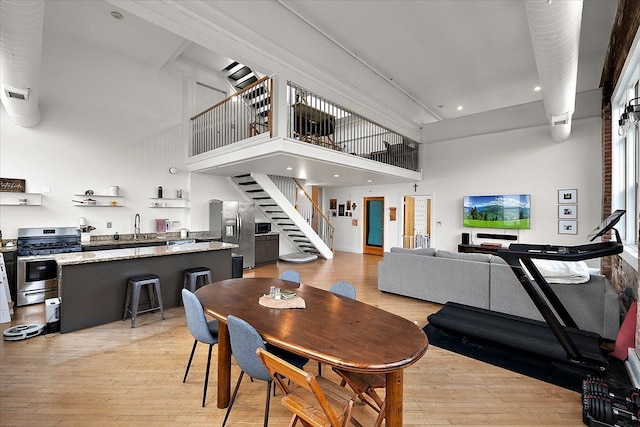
x=136, y=227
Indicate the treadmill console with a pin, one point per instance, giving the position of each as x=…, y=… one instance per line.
x=606, y=225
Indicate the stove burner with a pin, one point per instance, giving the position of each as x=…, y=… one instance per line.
x=47, y=241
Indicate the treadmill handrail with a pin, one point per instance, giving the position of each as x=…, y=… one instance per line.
x=516, y=260
x=565, y=253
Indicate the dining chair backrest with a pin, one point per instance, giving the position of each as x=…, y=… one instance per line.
x=244, y=342
x=290, y=275
x=282, y=372
x=196, y=320
x=343, y=288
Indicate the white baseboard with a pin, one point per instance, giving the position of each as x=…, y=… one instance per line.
x=633, y=367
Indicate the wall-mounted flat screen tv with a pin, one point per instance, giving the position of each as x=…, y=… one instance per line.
x=510, y=211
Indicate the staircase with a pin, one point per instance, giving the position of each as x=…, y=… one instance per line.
x=258, y=98
x=283, y=215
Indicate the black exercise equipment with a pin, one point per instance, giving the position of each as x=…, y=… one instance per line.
x=607, y=404
x=558, y=337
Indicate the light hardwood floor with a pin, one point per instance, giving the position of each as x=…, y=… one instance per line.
x=113, y=375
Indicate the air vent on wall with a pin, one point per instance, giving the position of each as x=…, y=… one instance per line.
x=11, y=92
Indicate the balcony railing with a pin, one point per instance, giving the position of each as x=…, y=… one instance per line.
x=319, y=121
x=312, y=118
x=245, y=114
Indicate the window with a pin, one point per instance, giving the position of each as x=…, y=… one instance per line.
x=626, y=156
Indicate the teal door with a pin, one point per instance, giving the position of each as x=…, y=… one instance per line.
x=374, y=226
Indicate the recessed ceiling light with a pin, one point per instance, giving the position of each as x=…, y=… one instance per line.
x=336, y=176
x=459, y=107
x=117, y=15
x=537, y=88
x=369, y=180
x=289, y=168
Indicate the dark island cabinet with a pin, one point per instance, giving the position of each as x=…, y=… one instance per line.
x=267, y=248
x=10, y=265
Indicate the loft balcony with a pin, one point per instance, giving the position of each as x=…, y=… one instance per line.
x=304, y=135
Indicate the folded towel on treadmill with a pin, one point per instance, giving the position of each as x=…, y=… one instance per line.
x=564, y=272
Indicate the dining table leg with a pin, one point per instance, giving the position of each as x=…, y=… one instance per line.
x=394, y=399
x=224, y=365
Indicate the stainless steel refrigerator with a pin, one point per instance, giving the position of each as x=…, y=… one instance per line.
x=234, y=222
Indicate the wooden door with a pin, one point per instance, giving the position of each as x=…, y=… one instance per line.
x=409, y=230
x=373, y=226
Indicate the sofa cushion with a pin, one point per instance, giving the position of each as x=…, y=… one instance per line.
x=418, y=251
x=627, y=335
x=464, y=256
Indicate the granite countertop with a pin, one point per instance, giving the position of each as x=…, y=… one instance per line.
x=89, y=257
x=4, y=248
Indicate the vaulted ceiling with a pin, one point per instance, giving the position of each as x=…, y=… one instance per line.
x=426, y=58
x=433, y=69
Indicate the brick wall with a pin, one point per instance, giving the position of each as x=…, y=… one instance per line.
x=625, y=27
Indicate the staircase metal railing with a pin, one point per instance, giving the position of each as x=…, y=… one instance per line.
x=240, y=116
x=319, y=121
x=313, y=215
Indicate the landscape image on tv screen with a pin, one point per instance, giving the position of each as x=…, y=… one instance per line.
x=510, y=211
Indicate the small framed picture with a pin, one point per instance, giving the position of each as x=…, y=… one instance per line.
x=567, y=197
x=348, y=205
x=333, y=203
x=567, y=226
x=568, y=211
x=341, y=210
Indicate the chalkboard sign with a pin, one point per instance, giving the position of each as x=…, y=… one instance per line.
x=11, y=185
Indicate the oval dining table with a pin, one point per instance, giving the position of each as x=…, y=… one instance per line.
x=331, y=329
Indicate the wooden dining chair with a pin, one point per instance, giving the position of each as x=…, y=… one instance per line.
x=365, y=385
x=316, y=401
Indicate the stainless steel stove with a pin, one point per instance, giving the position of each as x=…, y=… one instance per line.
x=37, y=270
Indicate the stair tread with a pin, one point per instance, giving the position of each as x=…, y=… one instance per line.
x=247, y=82
x=240, y=73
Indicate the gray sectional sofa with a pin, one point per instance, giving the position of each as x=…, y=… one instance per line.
x=486, y=281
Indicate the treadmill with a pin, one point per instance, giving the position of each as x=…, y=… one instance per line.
x=557, y=338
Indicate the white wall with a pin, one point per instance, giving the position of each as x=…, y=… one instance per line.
x=107, y=120
x=517, y=161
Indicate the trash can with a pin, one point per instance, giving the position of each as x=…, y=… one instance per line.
x=236, y=266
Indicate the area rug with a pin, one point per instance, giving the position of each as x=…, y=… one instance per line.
x=519, y=361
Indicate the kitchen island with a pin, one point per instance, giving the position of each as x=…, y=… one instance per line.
x=92, y=285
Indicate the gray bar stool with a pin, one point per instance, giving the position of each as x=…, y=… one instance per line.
x=194, y=275
x=134, y=284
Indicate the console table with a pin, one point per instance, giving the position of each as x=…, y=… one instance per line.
x=479, y=249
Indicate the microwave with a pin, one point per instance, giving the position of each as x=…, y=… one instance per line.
x=263, y=227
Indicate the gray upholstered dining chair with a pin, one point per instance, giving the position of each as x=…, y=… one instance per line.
x=363, y=384
x=343, y=288
x=245, y=340
x=290, y=275
x=346, y=290
x=202, y=331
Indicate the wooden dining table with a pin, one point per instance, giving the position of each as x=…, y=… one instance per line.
x=331, y=329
